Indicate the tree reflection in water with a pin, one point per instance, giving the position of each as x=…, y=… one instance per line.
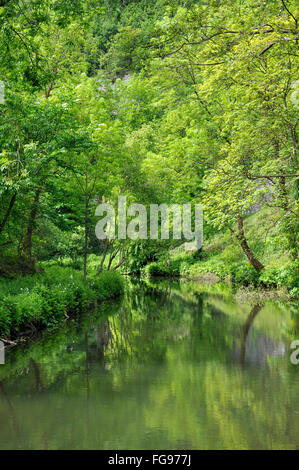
x=159, y=368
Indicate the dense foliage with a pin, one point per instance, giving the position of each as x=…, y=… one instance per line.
x=37, y=302
x=161, y=101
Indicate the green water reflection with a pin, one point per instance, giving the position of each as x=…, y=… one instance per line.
x=171, y=365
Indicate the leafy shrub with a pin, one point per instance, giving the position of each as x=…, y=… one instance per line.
x=244, y=274
x=161, y=269
x=53, y=304
x=287, y=275
x=5, y=319
x=152, y=270
x=46, y=299
x=139, y=254
x=108, y=284
x=28, y=308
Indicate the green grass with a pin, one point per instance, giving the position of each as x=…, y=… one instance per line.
x=93, y=263
x=45, y=300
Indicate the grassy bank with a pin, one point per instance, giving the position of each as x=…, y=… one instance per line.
x=222, y=259
x=44, y=300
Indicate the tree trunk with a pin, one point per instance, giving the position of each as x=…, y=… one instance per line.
x=246, y=327
x=119, y=264
x=112, y=257
x=36, y=370
x=85, y=227
x=290, y=223
x=103, y=257
x=27, y=245
x=245, y=247
x=9, y=209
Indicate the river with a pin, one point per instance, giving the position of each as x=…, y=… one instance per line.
x=172, y=365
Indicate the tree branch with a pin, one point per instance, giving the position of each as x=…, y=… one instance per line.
x=290, y=13
x=276, y=42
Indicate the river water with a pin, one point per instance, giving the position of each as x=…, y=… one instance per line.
x=172, y=365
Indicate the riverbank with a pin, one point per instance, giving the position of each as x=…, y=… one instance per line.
x=246, y=289
x=32, y=303
x=222, y=259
